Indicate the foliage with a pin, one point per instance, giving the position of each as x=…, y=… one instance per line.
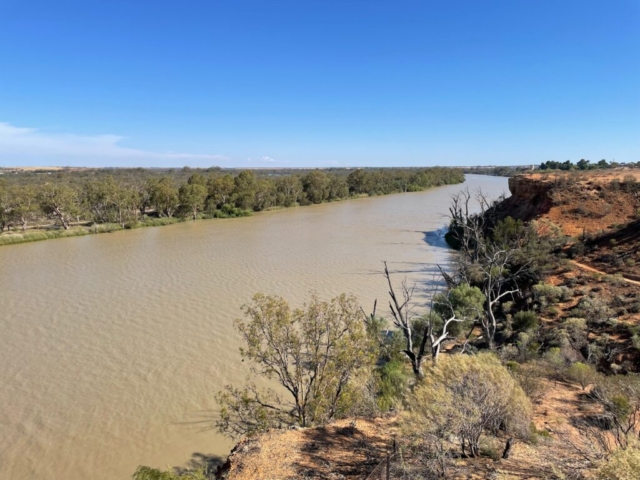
x=525, y=320
x=623, y=464
x=465, y=397
x=316, y=354
x=148, y=473
x=137, y=197
x=530, y=376
x=619, y=398
x=581, y=373
x=458, y=305
x=594, y=310
x=547, y=294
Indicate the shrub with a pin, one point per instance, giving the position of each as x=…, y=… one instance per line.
x=530, y=377
x=525, y=320
x=619, y=398
x=596, y=311
x=147, y=473
x=623, y=464
x=465, y=397
x=547, y=294
x=581, y=373
x=392, y=382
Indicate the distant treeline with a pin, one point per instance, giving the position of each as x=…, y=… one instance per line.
x=128, y=198
x=497, y=171
x=584, y=165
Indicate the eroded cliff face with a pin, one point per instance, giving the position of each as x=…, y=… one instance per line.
x=577, y=202
x=530, y=197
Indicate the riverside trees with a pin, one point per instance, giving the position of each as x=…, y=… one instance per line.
x=127, y=197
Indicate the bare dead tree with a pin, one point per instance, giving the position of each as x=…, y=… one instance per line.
x=434, y=333
x=402, y=319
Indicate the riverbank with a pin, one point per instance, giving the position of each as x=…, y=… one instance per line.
x=54, y=231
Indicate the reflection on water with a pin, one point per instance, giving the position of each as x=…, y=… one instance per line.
x=114, y=344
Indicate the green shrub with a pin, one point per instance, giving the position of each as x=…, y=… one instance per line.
x=623, y=464
x=392, y=382
x=525, y=320
x=466, y=397
x=148, y=473
x=547, y=294
x=581, y=373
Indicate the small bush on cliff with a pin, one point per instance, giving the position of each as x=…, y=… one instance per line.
x=148, y=473
x=525, y=320
x=463, y=398
x=623, y=464
x=581, y=373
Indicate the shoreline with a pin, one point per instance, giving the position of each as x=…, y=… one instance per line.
x=37, y=235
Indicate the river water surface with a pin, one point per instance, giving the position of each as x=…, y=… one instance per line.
x=113, y=345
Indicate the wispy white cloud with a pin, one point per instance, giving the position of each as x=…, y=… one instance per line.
x=29, y=144
x=266, y=159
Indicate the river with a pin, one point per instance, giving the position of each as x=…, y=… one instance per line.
x=113, y=345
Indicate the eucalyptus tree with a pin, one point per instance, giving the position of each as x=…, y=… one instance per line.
x=245, y=189
x=220, y=188
x=24, y=204
x=288, y=190
x=61, y=201
x=193, y=197
x=164, y=195
x=316, y=186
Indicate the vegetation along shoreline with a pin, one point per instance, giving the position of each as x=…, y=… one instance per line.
x=40, y=205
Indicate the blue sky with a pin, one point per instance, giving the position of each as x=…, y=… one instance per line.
x=318, y=83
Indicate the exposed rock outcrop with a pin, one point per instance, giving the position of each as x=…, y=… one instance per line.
x=590, y=202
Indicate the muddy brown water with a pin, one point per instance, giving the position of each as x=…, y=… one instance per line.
x=113, y=345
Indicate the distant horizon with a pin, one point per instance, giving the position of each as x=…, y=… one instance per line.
x=252, y=84
x=248, y=167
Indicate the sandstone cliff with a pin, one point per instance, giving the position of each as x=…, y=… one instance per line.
x=591, y=202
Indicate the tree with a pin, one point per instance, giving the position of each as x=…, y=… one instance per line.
x=315, y=353
x=192, y=197
x=245, y=189
x=465, y=397
x=338, y=188
x=264, y=196
x=220, y=188
x=125, y=203
x=426, y=334
x=24, y=204
x=288, y=189
x=359, y=182
x=494, y=265
x=583, y=164
x=164, y=195
x=60, y=201
x=99, y=196
x=5, y=207
x=316, y=186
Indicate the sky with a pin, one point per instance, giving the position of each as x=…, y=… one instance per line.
x=324, y=83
